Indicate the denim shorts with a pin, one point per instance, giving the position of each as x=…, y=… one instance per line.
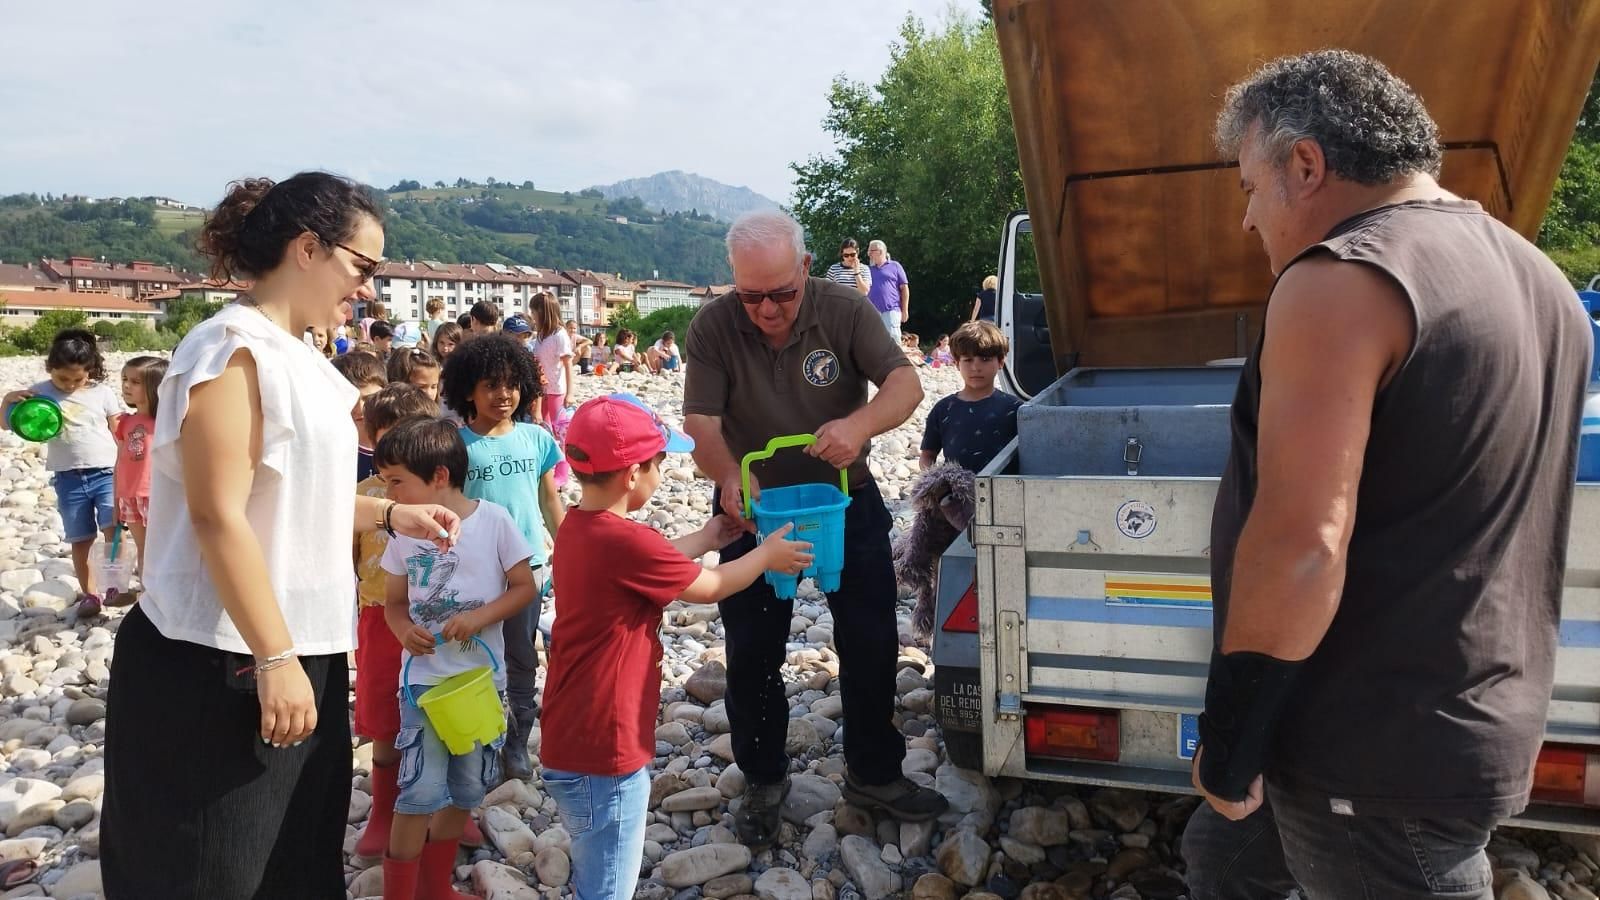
x=430, y=778
x=87, y=501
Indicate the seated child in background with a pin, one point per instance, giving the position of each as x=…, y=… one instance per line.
x=440, y=604
x=625, y=353
x=974, y=424
x=604, y=688
x=909, y=343
x=364, y=370
x=941, y=355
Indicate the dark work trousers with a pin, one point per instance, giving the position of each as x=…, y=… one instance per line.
x=522, y=658
x=196, y=806
x=1296, y=841
x=865, y=634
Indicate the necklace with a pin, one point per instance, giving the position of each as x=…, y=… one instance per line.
x=250, y=302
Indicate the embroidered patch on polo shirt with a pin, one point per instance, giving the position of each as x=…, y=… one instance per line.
x=821, y=368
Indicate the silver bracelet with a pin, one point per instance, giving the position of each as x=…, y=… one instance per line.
x=268, y=667
x=274, y=661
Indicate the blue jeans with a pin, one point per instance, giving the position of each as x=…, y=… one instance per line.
x=606, y=815
x=1296, y=841
x=891, y=321
x=86, y=498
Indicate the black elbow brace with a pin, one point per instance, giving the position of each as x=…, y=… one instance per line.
x=1244, y=694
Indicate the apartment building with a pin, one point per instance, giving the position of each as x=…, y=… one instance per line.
x=21, y=308
x=134, y=281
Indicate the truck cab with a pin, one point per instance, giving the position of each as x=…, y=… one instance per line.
x=1073, y=627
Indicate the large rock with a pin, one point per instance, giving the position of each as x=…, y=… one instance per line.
x=963, y=858
x=782, y=884
x=553, y=867
x=516, y=793
x=698, y=865
x=934, y=886
x=709, y=683
x=864, y=861
x=499, y=882
x=731, y=783
x=809, y=795
x=724, y=886
x=19, y=580
x=368, y=883
x=916, y=838
x=1040, y=826
x=822, y=843
x=507, y=832
x=81, y=879
x=1119, y=809
x=21, y=848
x=802, y=737
x=86, y=711
x=20, y=794
x=973, y=799
x=693, y=799
x=674, y=733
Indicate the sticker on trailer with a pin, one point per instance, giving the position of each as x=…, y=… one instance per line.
x=1188, y=735
x=1136, y=519
x=1170, y=591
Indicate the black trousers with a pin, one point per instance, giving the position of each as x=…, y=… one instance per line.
x=1296, y=841
x=756, y=624
x=196, y=806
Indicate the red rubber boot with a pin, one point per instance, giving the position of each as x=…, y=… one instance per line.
x=400, y=878
x=374, y=840
x=438, y=873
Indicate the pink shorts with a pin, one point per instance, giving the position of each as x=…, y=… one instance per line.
x=133, y=510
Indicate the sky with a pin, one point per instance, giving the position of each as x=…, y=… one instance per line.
x=177, y=97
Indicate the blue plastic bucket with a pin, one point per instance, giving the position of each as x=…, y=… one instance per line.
x=817, y=512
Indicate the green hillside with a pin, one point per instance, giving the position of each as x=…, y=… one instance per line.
x=464, y=223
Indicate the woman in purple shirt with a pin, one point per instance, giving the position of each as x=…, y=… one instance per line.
x=891, y=289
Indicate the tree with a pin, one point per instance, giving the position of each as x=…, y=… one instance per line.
x=925, y=160
x=527, y=185
x=1571, y=229
x=402, y=186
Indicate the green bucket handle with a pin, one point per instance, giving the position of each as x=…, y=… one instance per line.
x=773, y=446
x=438, y=641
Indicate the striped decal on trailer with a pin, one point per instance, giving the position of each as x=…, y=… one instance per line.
x=1173, y=591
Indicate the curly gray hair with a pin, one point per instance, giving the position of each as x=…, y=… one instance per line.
x=1370, y=125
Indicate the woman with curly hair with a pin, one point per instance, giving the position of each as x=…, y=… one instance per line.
x=492, y=382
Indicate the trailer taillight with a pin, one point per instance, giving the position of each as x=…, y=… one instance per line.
x=1069, y=733
x=1567, y=773
x=964, y=618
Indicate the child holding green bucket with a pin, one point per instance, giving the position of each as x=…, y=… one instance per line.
x=604, y=688
x=377, y=712
x=83, y=456
x=445, y=608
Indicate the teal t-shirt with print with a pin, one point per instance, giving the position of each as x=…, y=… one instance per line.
x=507, y=469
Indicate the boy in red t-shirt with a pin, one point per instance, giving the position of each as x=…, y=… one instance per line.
x=604, y=688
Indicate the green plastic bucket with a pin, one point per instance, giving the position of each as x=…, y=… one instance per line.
x=464, y=709
x=35, y=419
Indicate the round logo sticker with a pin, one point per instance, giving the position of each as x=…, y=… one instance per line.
x=821, y=368
x=1136, y=519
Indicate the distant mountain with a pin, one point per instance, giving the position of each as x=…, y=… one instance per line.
x=677, y=191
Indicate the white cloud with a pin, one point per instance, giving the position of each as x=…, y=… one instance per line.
x=179, y=96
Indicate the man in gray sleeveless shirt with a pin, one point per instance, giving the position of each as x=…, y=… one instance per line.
x=1390, y=532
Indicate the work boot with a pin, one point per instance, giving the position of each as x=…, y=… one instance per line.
x=757, y=820
x=400, y=878
x=374, y=840
x=901, y=798
x=514, y=759
x=436, y=877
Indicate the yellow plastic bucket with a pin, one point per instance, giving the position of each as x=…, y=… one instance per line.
x=464, y=709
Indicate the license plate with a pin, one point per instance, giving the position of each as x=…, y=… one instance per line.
x=1188, y=735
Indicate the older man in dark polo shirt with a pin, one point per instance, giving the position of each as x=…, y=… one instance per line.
x=784, y=353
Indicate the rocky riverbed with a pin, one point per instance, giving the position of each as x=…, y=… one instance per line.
x=1001, y=839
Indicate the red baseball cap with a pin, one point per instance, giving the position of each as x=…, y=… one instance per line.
x=616, y=431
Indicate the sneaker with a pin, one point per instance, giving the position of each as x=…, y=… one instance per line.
x=901, y=798
x=757, y=821
x=89, y=606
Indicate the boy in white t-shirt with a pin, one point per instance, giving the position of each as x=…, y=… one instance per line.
x=440, y=605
